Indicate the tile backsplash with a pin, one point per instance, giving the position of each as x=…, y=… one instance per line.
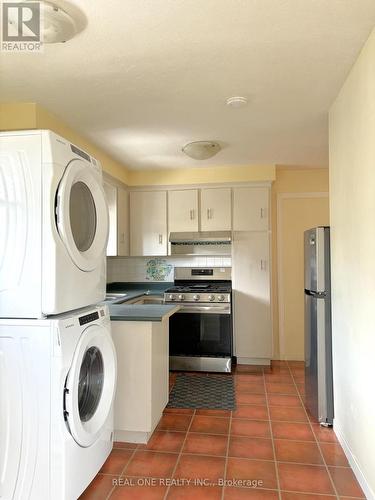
x=146, y=269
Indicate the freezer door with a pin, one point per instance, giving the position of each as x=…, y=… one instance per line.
x=317, y=259
x=318, y=358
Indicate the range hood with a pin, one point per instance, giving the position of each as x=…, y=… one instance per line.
x=201, y=238
x=201, y=243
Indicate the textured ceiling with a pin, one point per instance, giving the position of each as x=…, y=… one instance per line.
x=146, y=76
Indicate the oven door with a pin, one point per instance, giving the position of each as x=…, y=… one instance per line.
x=201, y=331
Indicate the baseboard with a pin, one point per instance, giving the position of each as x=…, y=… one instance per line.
x=253, y=361
x=370, y=495
x=132, y=436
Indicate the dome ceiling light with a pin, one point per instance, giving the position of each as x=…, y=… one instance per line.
x=236, y=102
x=201, y=150
x=57, y=26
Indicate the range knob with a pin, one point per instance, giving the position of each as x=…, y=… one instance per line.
x=220, y=298
x=171, y=297
x=211, y=298
x=196, y=298
x=181, y=297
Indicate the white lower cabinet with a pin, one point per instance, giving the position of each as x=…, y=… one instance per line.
x=252, y=297
x=142, y=391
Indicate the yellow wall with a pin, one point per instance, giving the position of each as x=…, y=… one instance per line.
x=297, y=212
x=19, y=116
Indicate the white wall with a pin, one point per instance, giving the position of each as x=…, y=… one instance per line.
x=352, y=208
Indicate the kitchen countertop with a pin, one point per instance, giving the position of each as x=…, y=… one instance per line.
x=134, y=312
x=138, y=312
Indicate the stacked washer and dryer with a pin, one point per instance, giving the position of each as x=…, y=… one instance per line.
x=57, y=359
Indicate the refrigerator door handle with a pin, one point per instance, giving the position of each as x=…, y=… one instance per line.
x=317, y=295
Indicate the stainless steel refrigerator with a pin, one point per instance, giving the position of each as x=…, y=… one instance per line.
x=318, y=333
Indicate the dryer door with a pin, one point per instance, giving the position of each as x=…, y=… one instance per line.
x=82, y=215
x=90, y=385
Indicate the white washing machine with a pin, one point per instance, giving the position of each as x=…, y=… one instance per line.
x=53, y=226
x=57, y=385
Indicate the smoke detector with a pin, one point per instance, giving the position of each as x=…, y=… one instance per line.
x=56, y=25
x=201, y=150
x=236, y=101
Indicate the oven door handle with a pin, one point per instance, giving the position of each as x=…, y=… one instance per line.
x=204, y=309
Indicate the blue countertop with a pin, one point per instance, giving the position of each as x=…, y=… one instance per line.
x=138, y=312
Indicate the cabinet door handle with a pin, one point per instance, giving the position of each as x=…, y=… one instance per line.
x=209, y=213
x=191, y=214
x=263, y=265
x=160, y=239
x=262, y=213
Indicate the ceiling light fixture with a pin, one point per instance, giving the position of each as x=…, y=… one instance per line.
x=57, y=26
x=236, y=101
x=201, y=150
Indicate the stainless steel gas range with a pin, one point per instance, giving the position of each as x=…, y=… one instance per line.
x=200, y=333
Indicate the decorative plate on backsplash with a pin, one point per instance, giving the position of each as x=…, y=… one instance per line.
x=158, y=270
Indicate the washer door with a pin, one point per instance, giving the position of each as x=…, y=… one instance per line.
x=90, y=385
x=82, y=215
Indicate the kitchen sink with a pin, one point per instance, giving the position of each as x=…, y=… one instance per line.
x=150, y=300
x=146, y=299
x=110, y=297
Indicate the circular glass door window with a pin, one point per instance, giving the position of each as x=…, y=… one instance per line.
x=91, y=380
x=82, y=213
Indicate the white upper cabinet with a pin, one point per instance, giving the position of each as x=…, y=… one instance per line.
x=118, y=238
x=148, y=223
x=250, y=209
x=122, y=222
x=111, y=197
x=216, y=213
x=183, y=210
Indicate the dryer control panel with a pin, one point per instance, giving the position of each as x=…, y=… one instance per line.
x=80, y=153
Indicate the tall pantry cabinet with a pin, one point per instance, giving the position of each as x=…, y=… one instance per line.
x=251, y=275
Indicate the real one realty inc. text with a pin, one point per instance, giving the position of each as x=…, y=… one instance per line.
x=158, y=481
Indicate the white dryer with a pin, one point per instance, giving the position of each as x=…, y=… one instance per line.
x=53, y=226
x=57, y=385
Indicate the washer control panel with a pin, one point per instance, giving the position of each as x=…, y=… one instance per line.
x=88, y=318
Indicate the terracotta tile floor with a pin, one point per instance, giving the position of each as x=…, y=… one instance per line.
x=269, y=438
